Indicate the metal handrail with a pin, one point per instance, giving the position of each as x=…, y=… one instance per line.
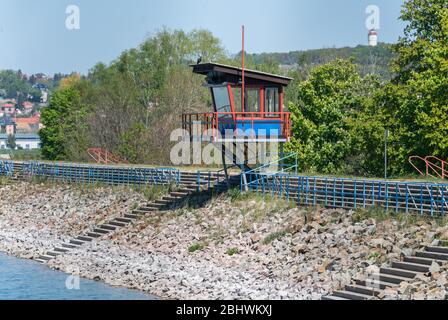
x=430, y=166
x=257, y=171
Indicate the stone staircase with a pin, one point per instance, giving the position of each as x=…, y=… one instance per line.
x=210, y=184
x=390, y=277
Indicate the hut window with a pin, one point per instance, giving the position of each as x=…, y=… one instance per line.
x=272, y=102
x=252, y=103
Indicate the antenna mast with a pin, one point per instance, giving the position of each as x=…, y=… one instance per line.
x=242, y=68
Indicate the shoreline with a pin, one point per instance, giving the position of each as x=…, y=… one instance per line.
x=231, y=249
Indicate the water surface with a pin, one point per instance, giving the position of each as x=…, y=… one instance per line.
x=29, y=280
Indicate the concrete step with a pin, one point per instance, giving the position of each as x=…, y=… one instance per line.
x=77, y=242
x=40, y=260
x=144, y=211
x=69, y=246
x=150, y=208
x=108, y=227
x=431, y=255
x=94, y=234
x=172, y=199
x=61, y=250
x=46, y=257
x=362, y=290
x=410, y=266
x=375, y=284
x=389, y=278
x=53, y=254
x=179, y=194
x=124, y=220
x=422, y=261
x=351, y=295
x=118, y=224
x=84, y=238
x=330, y=298
x=437, y=249
x=189, y=188
x=163, y=202
x=101, y=230
x=131, y=216
x=398, y=272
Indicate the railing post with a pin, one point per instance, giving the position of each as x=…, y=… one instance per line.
x=364, y=194
x=421, y=199
x=397, y=190
x=431, y=197
x=209, y=180
x=334, y=193
x=386, y=193
x=407, y=198
x=443, y=199
x=355, y=185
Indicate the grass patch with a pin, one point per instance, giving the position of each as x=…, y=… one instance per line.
x=152, y=193
x=274, y=236
x=24, y=155
x=197, y=247
x=232, y=251
x=4, y=180
x=405, y=219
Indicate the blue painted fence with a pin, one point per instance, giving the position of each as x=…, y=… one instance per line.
x=6, y=168
x=77, y=173
x=419, y=197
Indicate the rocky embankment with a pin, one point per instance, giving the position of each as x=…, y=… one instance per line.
x=245, y=248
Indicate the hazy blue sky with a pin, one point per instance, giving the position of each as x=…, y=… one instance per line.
x=33, y=36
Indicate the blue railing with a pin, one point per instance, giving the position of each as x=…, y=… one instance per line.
x=6, y=168
x=423, y=198
x=101, y=174
x=261, y=175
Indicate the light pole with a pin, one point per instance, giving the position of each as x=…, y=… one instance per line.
x=386, y=136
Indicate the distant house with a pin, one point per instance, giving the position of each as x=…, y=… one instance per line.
x=27, y=107
x=8, y=109
x=23, y=141
x=7, y=126
x=28, y=125
x=44, y=97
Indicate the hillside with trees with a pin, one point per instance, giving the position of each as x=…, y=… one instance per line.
x=342, y=100
x=369, y=59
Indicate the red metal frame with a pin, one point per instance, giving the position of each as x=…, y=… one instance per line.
x=431, y=164
x=102, y=156
x=211, y=121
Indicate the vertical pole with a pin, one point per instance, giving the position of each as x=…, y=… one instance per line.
x=386, y=136
x=242, y=70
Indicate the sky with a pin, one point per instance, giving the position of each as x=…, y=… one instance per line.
x=34, y=36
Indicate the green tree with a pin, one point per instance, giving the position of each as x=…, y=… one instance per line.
x=64, y=121
x=416, y=99
x=11, y=142
x=329, y=116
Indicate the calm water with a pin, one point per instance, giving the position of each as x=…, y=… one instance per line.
x=26, y=279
